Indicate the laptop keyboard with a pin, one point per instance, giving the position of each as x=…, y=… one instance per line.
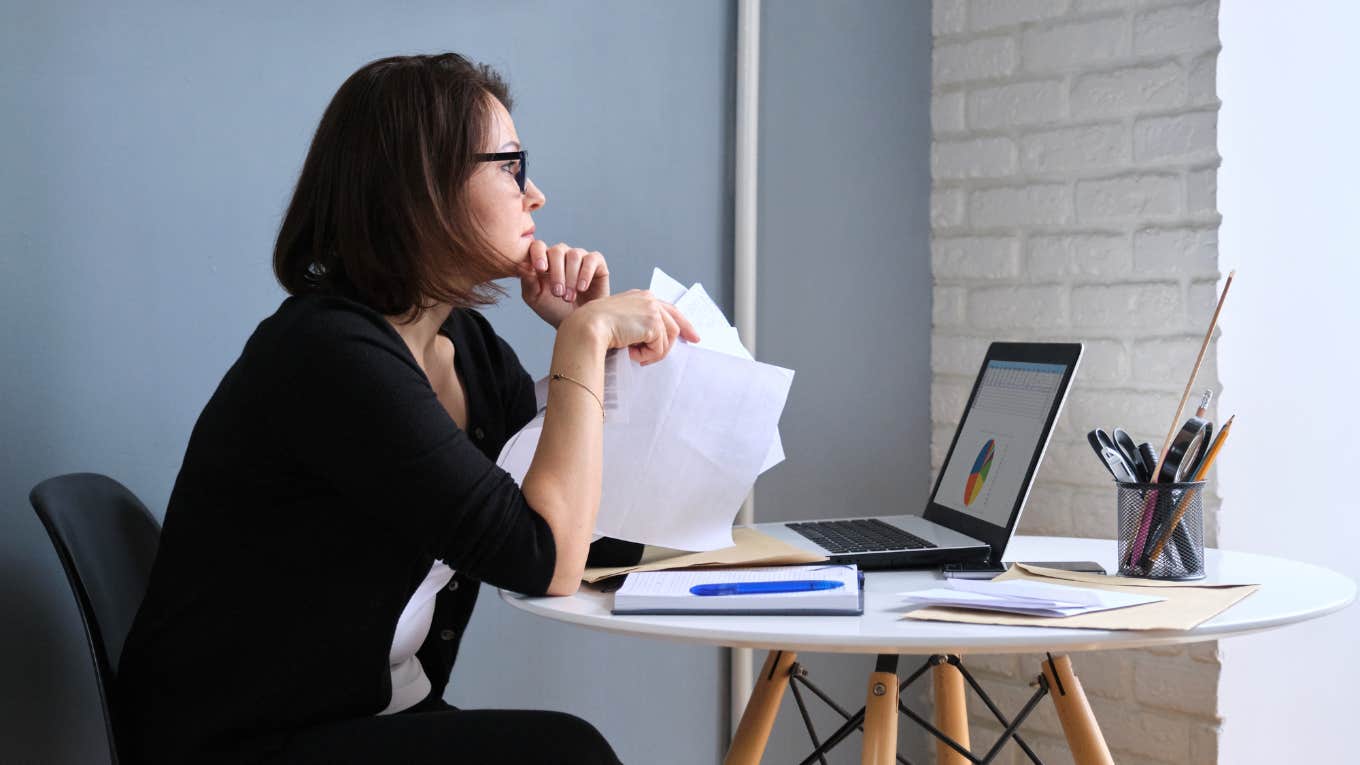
x=857, y=536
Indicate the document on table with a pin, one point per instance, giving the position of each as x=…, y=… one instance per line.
x=1180, y=605
x=684, y=438
x=1025, y=597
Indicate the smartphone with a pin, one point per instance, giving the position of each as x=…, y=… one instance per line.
x=1083, y=566
x=972, y=570
x=986, y=570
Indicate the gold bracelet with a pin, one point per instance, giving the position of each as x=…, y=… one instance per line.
x=557, y=376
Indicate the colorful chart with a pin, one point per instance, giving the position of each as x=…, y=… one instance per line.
x=978, y=475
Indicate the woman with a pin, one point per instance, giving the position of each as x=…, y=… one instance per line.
x=338, y=504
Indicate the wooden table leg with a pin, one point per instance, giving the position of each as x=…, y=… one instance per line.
x=1074, y=712
x=951, y=713
x=756, y=721
x=880, y=714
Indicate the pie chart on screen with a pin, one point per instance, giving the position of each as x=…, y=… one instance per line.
x=978, y=475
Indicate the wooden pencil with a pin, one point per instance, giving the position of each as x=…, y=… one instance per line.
x=1190, y=384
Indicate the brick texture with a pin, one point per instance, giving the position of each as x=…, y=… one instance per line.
x=1074, y=198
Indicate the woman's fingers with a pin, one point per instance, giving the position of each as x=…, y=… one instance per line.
x=593, y=272
x=672, y=329
x=687, y=330
x=571, y=272
x=654, y=347
x=661, y=337
x=647, y=326
x=649, y=334
x=556, y=254
x=528, y=280
x=538, y=255
x=564, y=270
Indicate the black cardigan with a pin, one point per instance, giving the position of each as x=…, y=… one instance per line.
x=320, y=483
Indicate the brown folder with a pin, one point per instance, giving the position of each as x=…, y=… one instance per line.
x=752, y=548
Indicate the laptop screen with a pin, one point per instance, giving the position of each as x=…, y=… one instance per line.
x=998, y=439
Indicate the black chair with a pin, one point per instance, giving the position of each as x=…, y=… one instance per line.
x=106, y=540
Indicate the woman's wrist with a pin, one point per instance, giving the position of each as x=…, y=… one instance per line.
x=584, y=328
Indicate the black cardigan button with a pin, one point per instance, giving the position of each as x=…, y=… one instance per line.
x=479, y=433
x=448, y=634
x=452, y=586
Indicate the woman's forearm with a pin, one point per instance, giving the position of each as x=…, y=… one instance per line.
x=563, y=481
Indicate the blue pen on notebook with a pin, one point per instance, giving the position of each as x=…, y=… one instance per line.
x=755, y=588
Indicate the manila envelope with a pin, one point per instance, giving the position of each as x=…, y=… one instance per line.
x=752, y=548
x=1187, y=604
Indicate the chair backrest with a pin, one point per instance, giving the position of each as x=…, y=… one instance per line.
x=106, y=540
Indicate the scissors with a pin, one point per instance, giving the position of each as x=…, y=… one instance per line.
x=1149, y=456
x=1112, y=456
x=1132, y=454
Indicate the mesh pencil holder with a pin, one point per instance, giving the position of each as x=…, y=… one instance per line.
x=1161, y=530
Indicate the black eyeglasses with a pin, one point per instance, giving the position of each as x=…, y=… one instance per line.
x=521, y=170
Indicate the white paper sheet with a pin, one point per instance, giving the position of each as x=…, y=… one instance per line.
x=714, y=332
x=665, y=287
x=684, y=438
x=1022, y=597
x=1055, y=594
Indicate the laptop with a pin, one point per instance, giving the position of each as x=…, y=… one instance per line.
x=984, y=482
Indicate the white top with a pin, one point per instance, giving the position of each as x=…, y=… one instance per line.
x=1290, y=592
x=409, y=682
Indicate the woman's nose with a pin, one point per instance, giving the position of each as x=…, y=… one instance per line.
x=533, y=196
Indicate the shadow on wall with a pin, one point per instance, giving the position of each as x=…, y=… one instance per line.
x=49, y=707
x=49, y=682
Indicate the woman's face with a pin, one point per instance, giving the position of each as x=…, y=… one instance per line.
x=504, y=213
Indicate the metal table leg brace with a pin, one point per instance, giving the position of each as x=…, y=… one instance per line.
x=878, y=717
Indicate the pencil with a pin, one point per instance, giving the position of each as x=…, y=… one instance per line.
x=1199, y=476
x=1190, y=384
x=1204, y=402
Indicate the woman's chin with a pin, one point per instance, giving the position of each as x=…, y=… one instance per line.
x=516, y=265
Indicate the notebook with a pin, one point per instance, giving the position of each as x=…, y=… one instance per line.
x=668, y=592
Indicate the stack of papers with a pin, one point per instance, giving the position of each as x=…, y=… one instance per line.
x=668, y=592
x=684, y=438
x=1181, y=606
x=1025, y=597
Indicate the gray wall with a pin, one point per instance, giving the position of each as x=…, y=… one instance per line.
x=845, y=283
x=148, y=150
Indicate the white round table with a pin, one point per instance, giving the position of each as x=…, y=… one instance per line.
x=1290, y=592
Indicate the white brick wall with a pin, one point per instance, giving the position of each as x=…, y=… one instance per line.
x=1074, y=180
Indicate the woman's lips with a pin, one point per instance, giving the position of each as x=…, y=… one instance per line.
x=529, y=234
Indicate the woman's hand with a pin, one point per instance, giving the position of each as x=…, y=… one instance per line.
x=557, y=280
x=639, y=321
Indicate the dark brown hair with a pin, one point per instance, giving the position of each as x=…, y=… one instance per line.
x=380, y=214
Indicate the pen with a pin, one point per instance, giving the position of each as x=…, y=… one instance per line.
x=753, y=588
